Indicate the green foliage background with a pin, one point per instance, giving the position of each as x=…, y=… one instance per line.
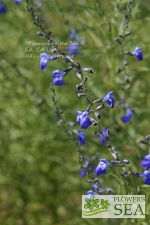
x=39, y=174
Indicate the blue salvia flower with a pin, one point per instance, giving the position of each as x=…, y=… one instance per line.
x=83, y=119
x=82, y=174
x=146, y=176
x=81, y=137
x=138, y=53
x=73, y=35
x=90, y=192
x=2, y=8
x=102, y=136
x=73, y=49
x=101, y=168
x=86, y=164
x=146, y=162
x=95, y=187
x=17, y=2
x=109, y=99
x=128, y=116
x=58, y=77
x=44, y=59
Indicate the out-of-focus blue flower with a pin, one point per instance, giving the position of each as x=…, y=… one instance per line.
x=102, y=136
x=73, y=35
x=146, y=176
x=82, y=174
x=90, y=192
x=101, y=168
x=128, y=116
x=109, y=99
x=138, y=53
x=146, y=162
x=83, y=119
x=85, y=165
x=73, y=49
x=95, y=187
x=17, y=2
x=2, y=8
x=44, y=59
x=81, y=137
x=58, y=77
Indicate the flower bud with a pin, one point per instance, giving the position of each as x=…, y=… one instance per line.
x=148, y=137
x=100, y=107
x=97, y=115
x=40, y=33
x=98, y=100
x=88, y=70
x=126, y=161
x=81, y=95
x=117, y=40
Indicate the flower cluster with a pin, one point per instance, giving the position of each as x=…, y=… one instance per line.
x=83, y=116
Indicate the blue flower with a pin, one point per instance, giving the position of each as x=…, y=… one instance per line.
x=81, y=137
x=101, y=168
x=91, y=192
x=102, y=136
x=85, y=165
x=73, y=49
x=44, y=59
x=146, y=176
x=109, y=99
x=138, y=53
x=17, y=2
x=95, y=187
x=83, y=119
x=58, y=77
x=82, y=174
x=73, y=35
x=146, y=162
x=128, y=116
x=2, y=8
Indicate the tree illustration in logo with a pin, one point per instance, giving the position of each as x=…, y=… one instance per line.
x=91, y=203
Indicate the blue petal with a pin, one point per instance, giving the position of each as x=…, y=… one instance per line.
x=85, y=122
x=145, y=162
x=73, y=49
x=43, y=63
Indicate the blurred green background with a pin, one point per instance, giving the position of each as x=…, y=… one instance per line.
x=39, y=173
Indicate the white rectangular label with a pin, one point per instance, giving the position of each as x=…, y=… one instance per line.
x=113, y=206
